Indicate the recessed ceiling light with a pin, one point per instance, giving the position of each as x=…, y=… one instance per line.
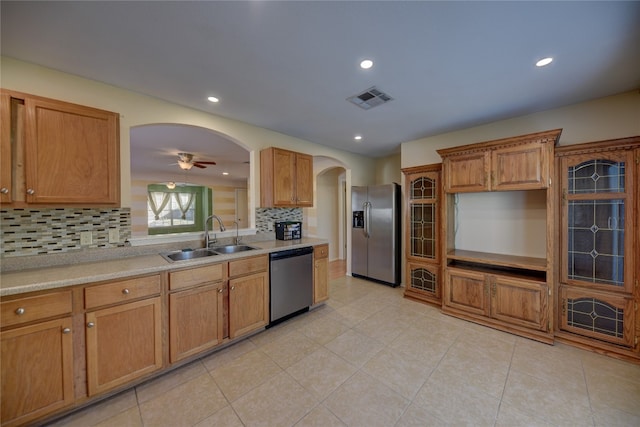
x=225, y=173
x=213, y=99
x=366, y=64
x=544, y=61
x=357, y=137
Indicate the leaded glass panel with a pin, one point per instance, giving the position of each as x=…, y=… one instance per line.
x=423, y=230
x=596, y=241
x=597, y=176
x=423, y=279
x=595, y=315
x=423, y=188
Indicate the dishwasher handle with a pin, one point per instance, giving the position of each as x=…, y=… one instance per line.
x=289, y=253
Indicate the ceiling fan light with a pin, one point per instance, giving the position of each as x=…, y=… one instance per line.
x=171, y=185
x=185, y=165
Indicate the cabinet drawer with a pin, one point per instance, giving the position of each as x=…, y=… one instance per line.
x=321, y=251
x=195, y=276
x=38, y=307
x=121, y=291
x=248, y=265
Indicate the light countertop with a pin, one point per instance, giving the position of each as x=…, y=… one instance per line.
x=38, y=279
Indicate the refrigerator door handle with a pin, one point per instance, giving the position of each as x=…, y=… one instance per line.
x=366, y=207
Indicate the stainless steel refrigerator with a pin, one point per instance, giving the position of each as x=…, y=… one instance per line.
x=375, y=233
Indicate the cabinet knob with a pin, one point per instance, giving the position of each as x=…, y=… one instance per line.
x=20, y=311
x=125, y=291
x=66, y=331
x=90, y=325
x=220, y=290
x=233, y=287
x=4, y=190
x=31, y=191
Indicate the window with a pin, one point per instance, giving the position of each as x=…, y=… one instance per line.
x=179, y=210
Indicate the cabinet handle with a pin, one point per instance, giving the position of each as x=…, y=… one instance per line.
x=233, y=287
x=20, y=311
x=90, y=325
x=66, y=330
x=125, y=291
x=4, y=190
x=220, y=290
x=31, y=191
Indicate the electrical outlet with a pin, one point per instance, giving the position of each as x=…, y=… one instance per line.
x=114, y=235
x=86, y=238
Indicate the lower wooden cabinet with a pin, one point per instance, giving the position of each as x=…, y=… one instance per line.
x=320, y=273
x=248, y=295
x=196, y=318
x=511, y=301
x=596, y=314
x=466, y=291
x=248, y=304
x=37, y=371
x=423, y=282
x=123, y=343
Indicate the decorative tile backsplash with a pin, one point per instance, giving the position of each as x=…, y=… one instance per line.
x=54, y=230
x=266, y=217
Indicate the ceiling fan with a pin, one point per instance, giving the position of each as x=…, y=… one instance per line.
x=186, y=162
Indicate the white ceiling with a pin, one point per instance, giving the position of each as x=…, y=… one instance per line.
x=289, y=66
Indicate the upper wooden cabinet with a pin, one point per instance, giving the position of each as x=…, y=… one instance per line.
x=286, y=178
x=518, y=163
x=57, y=153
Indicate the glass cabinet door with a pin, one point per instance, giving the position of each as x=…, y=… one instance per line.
x=423, y=217
x=597, y=224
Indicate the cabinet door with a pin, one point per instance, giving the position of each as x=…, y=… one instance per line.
x=597, y=315
x=195, y=320
x=6, y=183
x=37, y=370
x=599, y=220
x=520, y=302
x=304, y=180
x=123, y=343
x=467, y=291
x=467, y=173
x=423, y=281
x=284, y=163
x=321, y=280
x=71, y=153
x=520, y=167
x=248, y=304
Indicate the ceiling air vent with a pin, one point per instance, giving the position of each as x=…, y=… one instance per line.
x=370, y=98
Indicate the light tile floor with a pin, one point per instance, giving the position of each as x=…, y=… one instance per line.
x=369, y=357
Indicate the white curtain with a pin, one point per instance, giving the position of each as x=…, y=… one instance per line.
x=158, y=201
x=184, y=202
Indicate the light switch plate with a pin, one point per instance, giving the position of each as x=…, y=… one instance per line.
x=85, y=238
x=114, y=235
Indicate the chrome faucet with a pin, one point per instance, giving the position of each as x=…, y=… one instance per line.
x=206, y=229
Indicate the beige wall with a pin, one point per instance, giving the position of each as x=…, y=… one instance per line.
x=388, y=170
x=611, y=117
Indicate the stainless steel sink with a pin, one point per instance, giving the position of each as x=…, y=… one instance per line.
x=232, y=249
x=187, y=254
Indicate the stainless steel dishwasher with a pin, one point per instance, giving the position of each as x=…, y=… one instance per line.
x=291, y=283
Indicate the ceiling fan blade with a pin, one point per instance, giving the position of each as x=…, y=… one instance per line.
x=206, y=163
x=198, y=165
